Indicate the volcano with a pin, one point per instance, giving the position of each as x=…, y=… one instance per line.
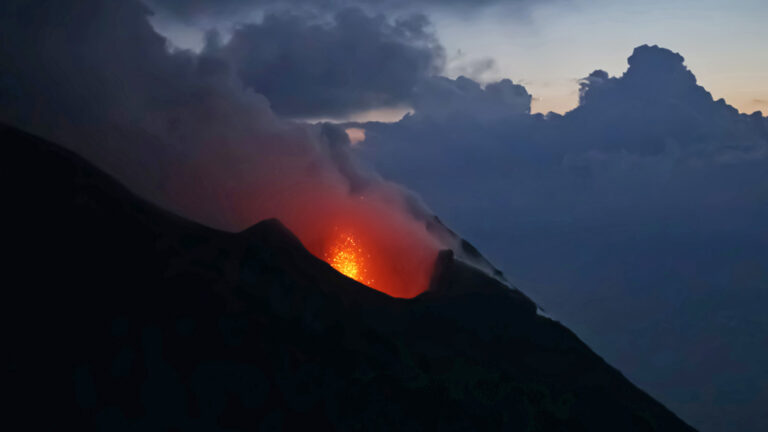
x=124, y=316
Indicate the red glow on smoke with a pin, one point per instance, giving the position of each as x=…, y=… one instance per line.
x=381, y=249
x=368, y=255
x=367, y=238
x=371, y=236
x=378, y=247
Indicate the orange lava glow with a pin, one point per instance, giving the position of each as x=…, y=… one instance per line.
x=379, y=253
x=370, y=235
x=346, y=256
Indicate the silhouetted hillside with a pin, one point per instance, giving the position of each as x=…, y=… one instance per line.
x=124, y=316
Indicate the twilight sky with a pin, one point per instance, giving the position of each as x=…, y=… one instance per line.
x=549, y=46
x=723, y=41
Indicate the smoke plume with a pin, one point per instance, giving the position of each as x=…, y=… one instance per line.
x=183, y=130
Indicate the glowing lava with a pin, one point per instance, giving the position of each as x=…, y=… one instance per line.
x=349, y=259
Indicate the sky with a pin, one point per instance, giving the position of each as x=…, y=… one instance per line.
x=550, y=45
x=638, y=217
x=559, y=43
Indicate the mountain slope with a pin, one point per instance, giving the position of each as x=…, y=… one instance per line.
x=124, y=316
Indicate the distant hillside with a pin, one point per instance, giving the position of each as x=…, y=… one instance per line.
x=122, y=316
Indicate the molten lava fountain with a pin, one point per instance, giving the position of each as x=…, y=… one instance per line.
x=346, y=256
x=393, y=261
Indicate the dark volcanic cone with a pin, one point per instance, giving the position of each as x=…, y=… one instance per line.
x=124, y=316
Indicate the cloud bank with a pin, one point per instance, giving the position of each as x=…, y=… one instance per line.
x=639, y=218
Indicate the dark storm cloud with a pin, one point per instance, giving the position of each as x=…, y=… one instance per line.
x=640, y=218
x=197, y=8
x=307, y=65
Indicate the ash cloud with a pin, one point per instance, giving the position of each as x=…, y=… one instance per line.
x=183, y=130
x=639, y=218
x=311, y=66
x=96, y=76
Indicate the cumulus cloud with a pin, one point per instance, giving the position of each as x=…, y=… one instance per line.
x=635, y=218
x=311, y=66
x=656, y=106
x=442, y=97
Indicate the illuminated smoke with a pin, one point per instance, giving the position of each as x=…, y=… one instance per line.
x=180, y=129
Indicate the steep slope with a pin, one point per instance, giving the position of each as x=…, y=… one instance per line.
x=121, y=315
